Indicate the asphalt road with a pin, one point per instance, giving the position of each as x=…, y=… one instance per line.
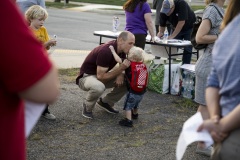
x=74, y=29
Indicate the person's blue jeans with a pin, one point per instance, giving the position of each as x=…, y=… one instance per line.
x=187, y=53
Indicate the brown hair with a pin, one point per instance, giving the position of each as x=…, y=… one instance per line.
x=130, y=5
x=233, y=9
x=207, y=2
x=123, y=35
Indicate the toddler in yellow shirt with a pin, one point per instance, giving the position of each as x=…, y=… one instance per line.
x=36, y=16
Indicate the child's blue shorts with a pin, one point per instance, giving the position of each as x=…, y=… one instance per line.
x=132, y=101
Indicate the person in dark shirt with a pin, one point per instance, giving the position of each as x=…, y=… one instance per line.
x=157, y=4
x=181, y=17
x=98, y=72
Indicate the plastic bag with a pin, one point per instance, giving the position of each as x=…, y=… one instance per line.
x=175, y=76
x=176, y=83
x=159, y=74
x=156, y=76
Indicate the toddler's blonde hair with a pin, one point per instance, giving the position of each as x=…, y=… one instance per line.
x=34, y=12
x=136, y=54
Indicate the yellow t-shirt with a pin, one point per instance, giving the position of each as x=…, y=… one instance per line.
x=41, y=34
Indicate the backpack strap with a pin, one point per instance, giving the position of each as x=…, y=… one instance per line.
x=217, y=10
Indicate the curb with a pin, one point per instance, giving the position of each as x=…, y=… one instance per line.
x=66, y=58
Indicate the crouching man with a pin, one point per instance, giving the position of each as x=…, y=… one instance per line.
x=96, y=75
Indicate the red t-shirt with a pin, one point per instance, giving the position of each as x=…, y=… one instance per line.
x=23, y=62
x=100, y=56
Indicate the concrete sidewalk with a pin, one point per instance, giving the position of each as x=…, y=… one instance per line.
x=65, y=58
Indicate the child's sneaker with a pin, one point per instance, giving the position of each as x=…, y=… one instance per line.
x=126, y=122
x=49, y=116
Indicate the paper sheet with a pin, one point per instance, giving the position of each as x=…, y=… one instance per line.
x=189, y=135
x=169, y=41
x=33, y=112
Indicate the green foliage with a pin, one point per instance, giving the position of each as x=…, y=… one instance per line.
x=69, y=72
x=194, y=8
x=186, y=103
x=110, y=2
x=61, y=5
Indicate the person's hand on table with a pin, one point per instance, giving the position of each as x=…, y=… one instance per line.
x=152, y=39
x=171, y=37
x=160, y=35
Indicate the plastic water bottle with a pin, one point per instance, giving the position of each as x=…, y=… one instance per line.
x=116, y=23
x=191, y=83
x=186, y=85
x=165, y=36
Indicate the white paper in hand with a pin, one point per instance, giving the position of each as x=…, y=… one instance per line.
x=189, y=135
x=32, y=113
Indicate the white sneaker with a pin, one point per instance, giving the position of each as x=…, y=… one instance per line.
x=205, y=151
x=49, y=116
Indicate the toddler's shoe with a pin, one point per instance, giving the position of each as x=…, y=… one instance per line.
x=134, y=116
x=126, y=122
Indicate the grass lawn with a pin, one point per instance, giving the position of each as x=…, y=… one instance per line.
x=61, y=5
x=110, y=2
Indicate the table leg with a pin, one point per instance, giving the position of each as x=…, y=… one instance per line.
x=100, y=40
x=169, y=72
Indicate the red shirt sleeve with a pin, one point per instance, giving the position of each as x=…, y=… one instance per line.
x=23, y=62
